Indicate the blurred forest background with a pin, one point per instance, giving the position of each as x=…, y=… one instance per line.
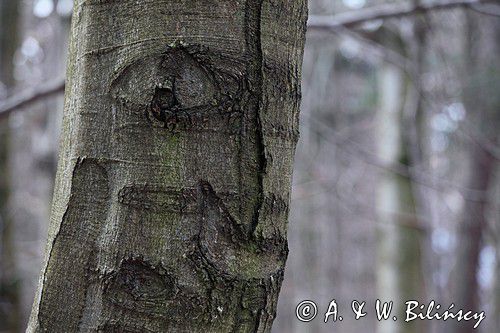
x=396, y=183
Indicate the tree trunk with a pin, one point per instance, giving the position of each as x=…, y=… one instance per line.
x=10, y=311
x=173, y=183
x=399, y=264
x=470, y=240
x=482, y=103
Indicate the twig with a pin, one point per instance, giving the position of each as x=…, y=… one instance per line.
x=487, y=9
x=480, y=140
x=385, y=11
x=380, y=50
x=31, y=95
x=353, y=148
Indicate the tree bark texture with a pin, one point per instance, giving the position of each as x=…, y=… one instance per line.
x=173, y=184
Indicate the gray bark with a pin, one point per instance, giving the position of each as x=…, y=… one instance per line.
x=173, y=184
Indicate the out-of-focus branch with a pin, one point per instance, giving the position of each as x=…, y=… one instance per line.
x=422, y=178
x=385, y=11
x=386, y=53
x=480, y=140
x=30, y=95
x=487, y=9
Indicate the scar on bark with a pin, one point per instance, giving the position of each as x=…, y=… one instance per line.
x=90, y=193
x=227, y=247
x=139, y=285
x=183, y=87
x=193, y=88
x=159, y=197
x=151, y=290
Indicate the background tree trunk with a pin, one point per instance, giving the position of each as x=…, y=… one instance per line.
x=482, y=101
x=9, y=287
x=173, y=183
x=34, y=138
x=399, y=270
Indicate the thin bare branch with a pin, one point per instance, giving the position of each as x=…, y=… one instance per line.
x=385, y=11
x=353, y=148
x=483, y=142
x=385, y=53
x=487, y=9
x=31, y=95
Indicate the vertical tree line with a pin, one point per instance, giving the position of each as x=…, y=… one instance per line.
x=9, y=288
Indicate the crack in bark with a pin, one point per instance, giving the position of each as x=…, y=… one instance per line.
x=255, y=79
x=224, y=244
